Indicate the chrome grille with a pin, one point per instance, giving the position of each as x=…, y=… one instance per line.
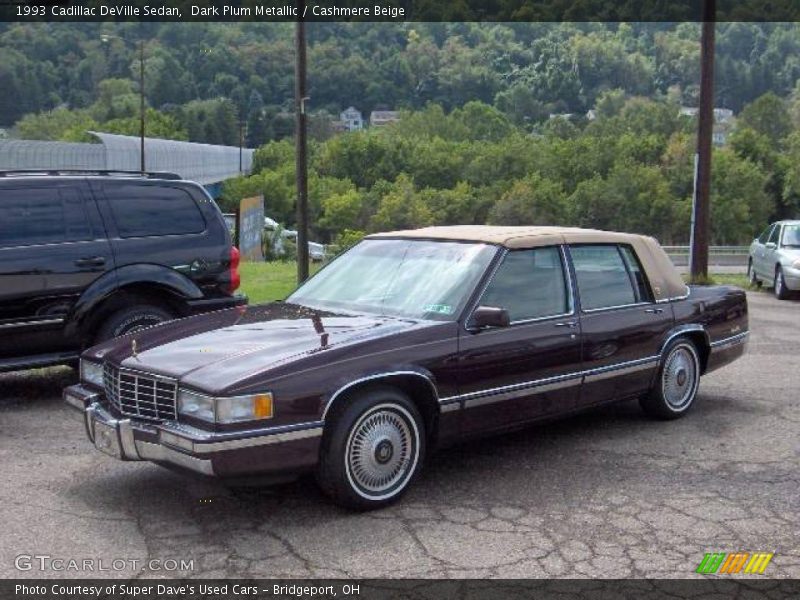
x=140, y=395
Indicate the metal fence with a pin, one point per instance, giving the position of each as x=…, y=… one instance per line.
x=721, y=256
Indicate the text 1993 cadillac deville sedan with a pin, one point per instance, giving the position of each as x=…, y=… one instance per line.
x=410, y=340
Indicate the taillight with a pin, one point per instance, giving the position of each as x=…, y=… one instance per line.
x=235, y=280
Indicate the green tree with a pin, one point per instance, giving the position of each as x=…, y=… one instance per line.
x=156, y=125
x=739, y=204
x=531, y=201
x=400, y=207
x=769, y=116
x=60, y=124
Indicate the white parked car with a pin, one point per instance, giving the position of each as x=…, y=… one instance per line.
x=775, y=258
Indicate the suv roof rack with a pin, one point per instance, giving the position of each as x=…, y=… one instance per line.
x=89, y=172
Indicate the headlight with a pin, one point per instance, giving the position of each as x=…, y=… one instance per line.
x=196, y=405
x=225, y=410
x=91, y=372
x=244, y=408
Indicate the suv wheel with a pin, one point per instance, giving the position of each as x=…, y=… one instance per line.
x=677, y=383
x=131, y=319
x=373, y=451
x=781, y=292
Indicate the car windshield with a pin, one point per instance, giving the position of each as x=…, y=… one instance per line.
x=415, y=279
x=791, y=236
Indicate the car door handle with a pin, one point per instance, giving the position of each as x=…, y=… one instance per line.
x=570, y=324
x=93, y=261
x=654, y=311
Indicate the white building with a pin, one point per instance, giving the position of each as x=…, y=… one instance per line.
x=724, y=123
x=379, y=118
x=352, y=119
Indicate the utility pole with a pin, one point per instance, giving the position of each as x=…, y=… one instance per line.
x=301, y=157
x=241, y=144
x=141, y=104
x=701, y=206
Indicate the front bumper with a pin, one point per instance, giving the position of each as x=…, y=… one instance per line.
x=792, y=278
x=275, y=450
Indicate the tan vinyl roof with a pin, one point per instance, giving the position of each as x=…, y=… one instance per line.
x=664, y=278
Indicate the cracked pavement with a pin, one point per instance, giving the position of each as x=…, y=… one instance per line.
x=607, y=493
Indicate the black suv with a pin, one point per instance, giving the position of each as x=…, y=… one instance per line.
x=87, y=256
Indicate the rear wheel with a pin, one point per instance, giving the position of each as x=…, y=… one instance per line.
x=373, y=451
x=678, y=379
x=781, y=291
x=130, y=320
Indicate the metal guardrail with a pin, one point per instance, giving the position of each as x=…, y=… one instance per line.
x=733, y=256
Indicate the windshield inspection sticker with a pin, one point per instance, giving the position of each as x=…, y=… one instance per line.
x=442, y=309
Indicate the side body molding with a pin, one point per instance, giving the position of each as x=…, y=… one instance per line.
x=112, y=281
x=377, y=377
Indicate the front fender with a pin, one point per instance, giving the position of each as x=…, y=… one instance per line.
x=164, y=277
x=347, y=383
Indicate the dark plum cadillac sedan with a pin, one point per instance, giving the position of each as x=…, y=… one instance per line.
x=411, y=340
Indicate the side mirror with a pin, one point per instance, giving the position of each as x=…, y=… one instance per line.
x=771, y=245
x=489, y=316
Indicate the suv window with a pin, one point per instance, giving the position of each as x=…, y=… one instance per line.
x=33, y=216
x=139, y=211
x=773, y=237
x=603, y=278
x=762, y=239
x=530, y=284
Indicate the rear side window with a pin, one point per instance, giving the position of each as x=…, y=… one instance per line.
x=638, y=278
x=603, y=278
x=530, y=284
x=31, y=216
x=149, y=210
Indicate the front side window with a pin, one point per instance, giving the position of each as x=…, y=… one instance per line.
x=762, y=239
x=773, y=237
x=417, y=279
x=149, y=210
x=603, y=278
x=791, y=236
x=33, y=216
x=529, y=284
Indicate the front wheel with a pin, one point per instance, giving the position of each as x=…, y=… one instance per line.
x=373, y=451
x=678, y=379
x=781, y=292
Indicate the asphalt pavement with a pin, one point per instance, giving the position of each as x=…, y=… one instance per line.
x=608, y=493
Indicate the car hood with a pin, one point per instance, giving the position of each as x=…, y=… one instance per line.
x=216, y=350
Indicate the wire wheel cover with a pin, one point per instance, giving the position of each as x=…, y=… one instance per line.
x=679, y=378
x=382, y=450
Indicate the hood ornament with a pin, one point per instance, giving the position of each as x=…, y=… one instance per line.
x=133, y=348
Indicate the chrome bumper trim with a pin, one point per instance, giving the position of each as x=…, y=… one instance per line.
x=195, y=441
x=176, y=443
x=164, y=454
